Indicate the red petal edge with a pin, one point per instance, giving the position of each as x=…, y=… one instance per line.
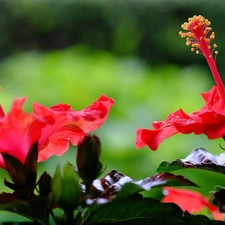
x=69, y=125
x=209, y=120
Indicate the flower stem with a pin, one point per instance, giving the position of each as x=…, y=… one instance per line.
x=53, y=215
x=216, y=76
x=77, y=218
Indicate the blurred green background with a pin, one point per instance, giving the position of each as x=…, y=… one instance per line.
x=73, y=51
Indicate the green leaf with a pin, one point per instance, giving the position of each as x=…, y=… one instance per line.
x=34, y=209
x=45, y=184
x=128, y=190
x=160, y=180
x=138, y=210
x=135, y=207
x=199, y=159
x=71, y=189
x=202, y=220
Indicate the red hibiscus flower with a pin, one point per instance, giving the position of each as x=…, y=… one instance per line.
x=68, y=125
x=18, y=131
x=191, y=201
x=53, y=128
x=210, y=120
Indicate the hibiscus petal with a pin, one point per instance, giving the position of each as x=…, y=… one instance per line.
x=59, y=141
x=69, y=125
x=162, y=130
x=210, y=120
x=209, y=123
x=191, y=201
x=18, y=132
x=213, y=100
x=94, y=115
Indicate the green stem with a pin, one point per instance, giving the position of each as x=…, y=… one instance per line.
x=53, y=215
x=77, y=217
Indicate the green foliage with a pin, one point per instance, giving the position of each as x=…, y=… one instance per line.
x=119, y=185
x=148, y=29
x=34, y=209
x=147, y=211
x=65, y=187
x=108, y=197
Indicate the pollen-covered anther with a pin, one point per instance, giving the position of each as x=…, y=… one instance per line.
x=198, y=31
x=213, y=51
x=195, y=45
x=207, y=29
x=207, y=40
x=195, y=27
x=212, y=36
x=188, y=43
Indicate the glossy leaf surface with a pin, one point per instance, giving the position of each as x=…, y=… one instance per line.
x=116, y=184
x=137, y=210
x=199, y=159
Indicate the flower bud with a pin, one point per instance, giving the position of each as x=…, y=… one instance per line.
x=44, y=184
x=88, y=158
x=66, y=189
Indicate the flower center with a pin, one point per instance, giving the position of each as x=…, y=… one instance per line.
x=199, y=37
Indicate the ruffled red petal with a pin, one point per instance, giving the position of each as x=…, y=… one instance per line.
x=69, y=125
x=210, y=120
